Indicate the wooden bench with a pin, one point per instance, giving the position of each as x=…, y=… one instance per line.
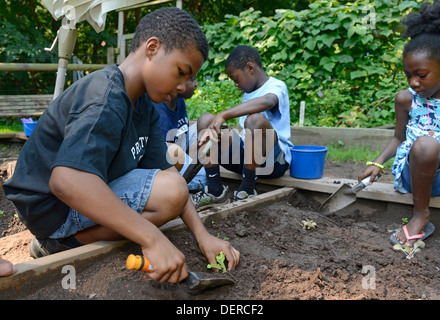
x=18, y=106
x=377, y=191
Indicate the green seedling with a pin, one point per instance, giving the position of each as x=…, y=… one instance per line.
x=308, y=224
x=220, y=258
x=410, y=252
x=404, y=221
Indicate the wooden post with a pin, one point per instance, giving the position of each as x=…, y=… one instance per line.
x=302, y=109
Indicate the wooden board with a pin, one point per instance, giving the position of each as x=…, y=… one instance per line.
x=377, y=191
x=16, y=106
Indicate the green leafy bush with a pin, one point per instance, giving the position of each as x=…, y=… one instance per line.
x=213, y=96
x=344, y=61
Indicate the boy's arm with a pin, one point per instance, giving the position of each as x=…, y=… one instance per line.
x=251, y=106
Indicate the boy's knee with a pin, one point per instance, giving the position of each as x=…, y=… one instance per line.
x=204, y=120
x=255, y=121
x=167, y=199
x=178, y=195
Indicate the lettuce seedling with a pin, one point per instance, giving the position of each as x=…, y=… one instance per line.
x=410, y=252
x=308, y=224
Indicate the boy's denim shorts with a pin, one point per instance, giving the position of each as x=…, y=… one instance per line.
x=132, y=188
x=406, y=180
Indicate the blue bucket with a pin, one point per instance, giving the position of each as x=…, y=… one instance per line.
x=307, y=162
x=28, y=127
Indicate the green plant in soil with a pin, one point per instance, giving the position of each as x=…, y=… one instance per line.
x=220, y=258
x=410, y=252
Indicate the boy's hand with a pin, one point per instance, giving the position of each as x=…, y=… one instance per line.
x=211, y=247
x=167, y=261
x=217, y=123
x=208, y=135
x=212, y=132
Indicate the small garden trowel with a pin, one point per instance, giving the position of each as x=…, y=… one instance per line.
x=343, y=197
x=195, y=280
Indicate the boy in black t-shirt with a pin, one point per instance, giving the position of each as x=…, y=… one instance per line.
x=95, y=165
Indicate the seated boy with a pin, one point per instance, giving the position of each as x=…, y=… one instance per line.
x=264, y=148
x=179, y=135
x=95, y=165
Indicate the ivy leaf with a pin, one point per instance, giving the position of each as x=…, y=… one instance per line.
x=329, y=39
x=358, y=74
x=345, y=58
x=329, y=66
x=311, y=43
x=351, y=32
x=405, y=5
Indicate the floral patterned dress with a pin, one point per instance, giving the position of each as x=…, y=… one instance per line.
x=423, y=121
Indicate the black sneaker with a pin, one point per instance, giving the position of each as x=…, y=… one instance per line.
x=44, y=247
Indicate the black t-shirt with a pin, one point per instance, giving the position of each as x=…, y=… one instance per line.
x=91, y=127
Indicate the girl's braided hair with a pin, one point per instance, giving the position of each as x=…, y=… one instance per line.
x=174, y=28
x=423, y=28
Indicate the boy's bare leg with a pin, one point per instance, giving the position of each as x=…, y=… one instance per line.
x=257, y=128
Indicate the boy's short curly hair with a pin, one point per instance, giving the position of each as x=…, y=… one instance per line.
x=174, y=28
x=423, y=28
x=241, y=55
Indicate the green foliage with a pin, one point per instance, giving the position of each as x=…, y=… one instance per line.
x=341, y=153
x=350, y=53
x=213, y=11
x=26, y=28
x=8, y=125
x=213, y=96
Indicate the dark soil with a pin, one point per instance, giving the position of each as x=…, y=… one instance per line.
x=347, y=256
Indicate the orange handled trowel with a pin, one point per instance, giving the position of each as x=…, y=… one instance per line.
x=195, y=280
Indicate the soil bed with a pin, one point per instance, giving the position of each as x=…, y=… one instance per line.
x=281, y=260
x=347, y=256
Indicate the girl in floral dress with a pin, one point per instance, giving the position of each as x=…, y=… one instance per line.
x=415, y=144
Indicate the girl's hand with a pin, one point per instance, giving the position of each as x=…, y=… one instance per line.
x=372, y=171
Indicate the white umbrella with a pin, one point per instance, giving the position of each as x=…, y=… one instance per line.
x=94, y=11
x=72, y=12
